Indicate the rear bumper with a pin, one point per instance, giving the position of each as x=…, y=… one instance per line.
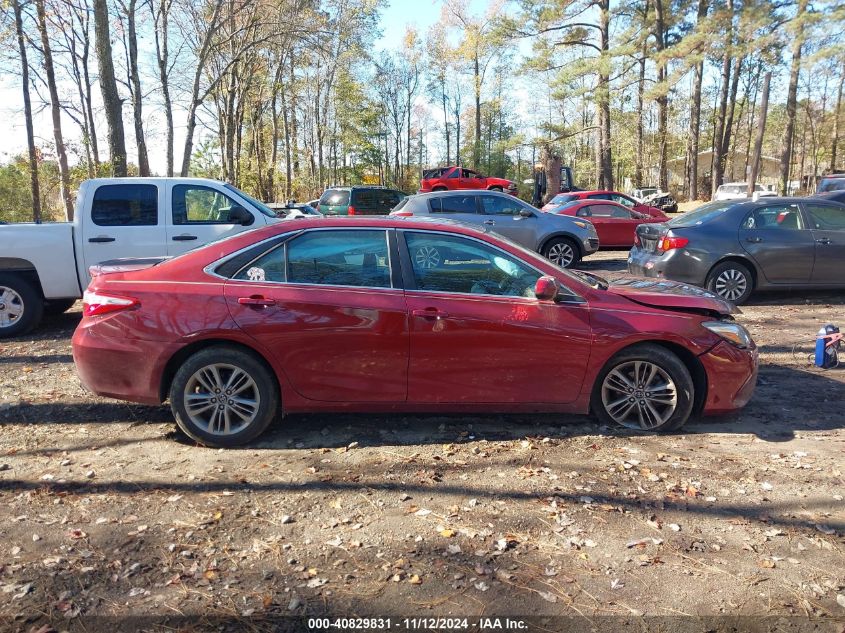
x=731, y=377
x=676, y=264
x=119, y=368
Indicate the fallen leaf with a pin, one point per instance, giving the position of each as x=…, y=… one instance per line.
x=447, y=533
x=415, y=580
x=548, y=595
x=767, y=564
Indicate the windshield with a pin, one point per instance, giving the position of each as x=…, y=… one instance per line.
x=702, y=214
x=263, y=208
x=562, y=198
x=831, y=184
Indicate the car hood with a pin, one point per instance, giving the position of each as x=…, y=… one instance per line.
x=664, y=293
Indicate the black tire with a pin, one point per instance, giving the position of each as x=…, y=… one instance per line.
x=226, y=359
x=608, y=391
x=22, y=305
x=57, y=306
x=440, y=188
x=562, y=251
x=728, y=278
x=496, y=188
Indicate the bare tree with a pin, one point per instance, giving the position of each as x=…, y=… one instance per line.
x=798, y=35
x=27, y=112
x=108, y=86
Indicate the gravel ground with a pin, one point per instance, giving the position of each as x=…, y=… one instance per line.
x=109, y=514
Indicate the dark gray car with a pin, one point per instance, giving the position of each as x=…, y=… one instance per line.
x=564, y=240
x=734, y=247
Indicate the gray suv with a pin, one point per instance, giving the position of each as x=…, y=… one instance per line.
x=562, y=239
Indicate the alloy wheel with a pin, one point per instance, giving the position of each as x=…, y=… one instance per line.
x=221, y=399
x=11, y=307
x=427, y=257
x=561, y=254
x=731, y=284
x=639, y=395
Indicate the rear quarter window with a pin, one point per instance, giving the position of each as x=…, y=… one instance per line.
x=335, y=197
x=125, y=205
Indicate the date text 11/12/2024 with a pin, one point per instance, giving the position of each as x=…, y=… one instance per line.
x=417, y=624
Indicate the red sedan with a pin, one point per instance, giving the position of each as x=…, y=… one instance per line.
x=347, y=314
x=611, y=196
x=615, y=223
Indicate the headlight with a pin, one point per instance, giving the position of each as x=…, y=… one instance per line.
x=732, y=332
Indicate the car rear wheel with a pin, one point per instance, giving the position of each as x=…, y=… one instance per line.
x=21, y=305
x=496, y=188
x=645, y=387
x=563, y=252
x=224, y=397
x=731, y=281
x=440, y=188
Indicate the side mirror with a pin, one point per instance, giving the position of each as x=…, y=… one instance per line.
x=526, y=213
x=546, y=288
x=239, y=215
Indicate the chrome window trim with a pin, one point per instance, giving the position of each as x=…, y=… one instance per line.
x=574, y=298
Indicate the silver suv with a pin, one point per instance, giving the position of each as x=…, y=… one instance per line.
x=562, y=239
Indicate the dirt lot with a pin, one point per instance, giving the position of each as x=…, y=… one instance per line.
x=108, y=512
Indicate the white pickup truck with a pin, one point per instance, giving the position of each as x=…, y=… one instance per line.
x=44, y=267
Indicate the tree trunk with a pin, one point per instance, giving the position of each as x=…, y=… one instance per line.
x=162, y=59
x=27, y=110
x=55, y=110
x=792, y=97
x=551, y=165
x=638, y=159
x=135, y=83
x=761, y=129
x=718, y=166
x=663, y=99
x=695, y=119
x=476, y=148
x=446, y=118
x=726, y=133
x=108, y=86
x=836, y=121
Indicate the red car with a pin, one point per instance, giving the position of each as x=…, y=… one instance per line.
x=613, y=196
x=325, y=314
x=444, y=178
x=615, y=223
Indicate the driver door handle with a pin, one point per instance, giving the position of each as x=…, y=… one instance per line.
x=429, y=313
x=256, y=301
x=824, y=240
x=754, y=240
x=183, y=238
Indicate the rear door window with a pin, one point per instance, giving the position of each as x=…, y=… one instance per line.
x=339, y=258
x=499, y=205
x=125, y=205
x=775, y=217
x=453, y=204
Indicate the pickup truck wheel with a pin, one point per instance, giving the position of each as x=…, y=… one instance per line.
x=562, y=251
x=21, y=305
x=496, y=188
x=439, y=188
x=224, y=397
x=58, y=306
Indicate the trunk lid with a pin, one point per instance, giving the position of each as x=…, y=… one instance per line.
x=664, y=293
x=124, y=265
x=650, y=234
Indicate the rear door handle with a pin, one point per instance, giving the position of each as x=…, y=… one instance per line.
x=257, y=301
x=101, y=239
x=429, y=313
x=183, y=238
x=754, y=240
x=824, y=240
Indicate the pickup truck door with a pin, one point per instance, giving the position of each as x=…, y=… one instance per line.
x=126, y=220
x=199, y=214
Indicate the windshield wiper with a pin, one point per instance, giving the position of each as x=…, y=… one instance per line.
x=594, y=280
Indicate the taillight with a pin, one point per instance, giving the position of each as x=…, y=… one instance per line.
x=351, y=210
x=636, y=240
x=98, y=303
x=667, y=243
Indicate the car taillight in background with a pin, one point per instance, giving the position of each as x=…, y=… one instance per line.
x=98, y=303
x=667, y=243
x=637, y=240
x=351, y=210
x=402, y=214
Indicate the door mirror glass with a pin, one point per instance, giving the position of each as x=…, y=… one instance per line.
x=526, y=213
x=239, y=215
x=546, y=288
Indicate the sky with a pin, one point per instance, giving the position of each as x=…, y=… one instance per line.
x=395, y=18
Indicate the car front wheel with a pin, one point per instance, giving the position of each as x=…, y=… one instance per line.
x=731, y=281
x=224, y=396
x=645, y=387
x=562, y=251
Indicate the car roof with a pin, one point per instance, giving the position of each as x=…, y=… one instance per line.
x=453, y=192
